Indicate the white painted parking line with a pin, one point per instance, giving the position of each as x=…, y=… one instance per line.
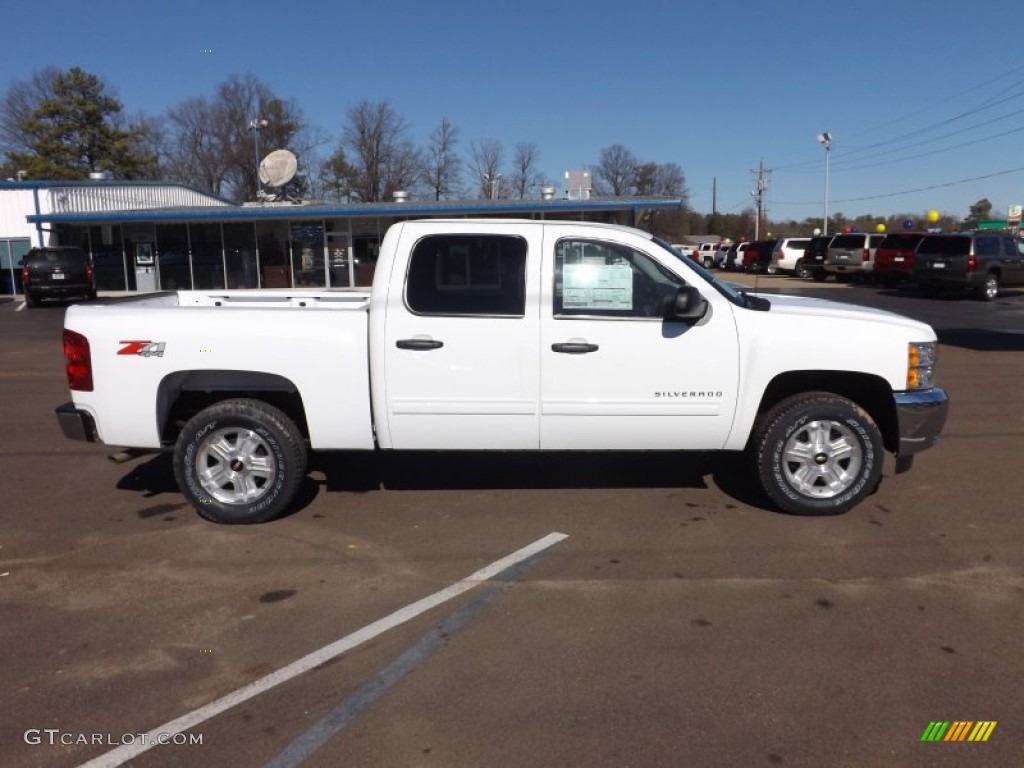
x=126, y=752
x=20, y=307
x=349, y=710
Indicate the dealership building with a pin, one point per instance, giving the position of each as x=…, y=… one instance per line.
x=145, y=236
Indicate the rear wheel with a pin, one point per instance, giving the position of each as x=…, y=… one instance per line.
x=819, y=275
x=240, y=461
x=31, y=301
x=818, y=454
x=801, y=271
x=989, y=290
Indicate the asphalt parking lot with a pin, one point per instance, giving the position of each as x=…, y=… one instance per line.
x=518, y=611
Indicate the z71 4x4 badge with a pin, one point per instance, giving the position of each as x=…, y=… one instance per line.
x=142, y=348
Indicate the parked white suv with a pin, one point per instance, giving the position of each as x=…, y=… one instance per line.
x=707, y=253
x=788, y=251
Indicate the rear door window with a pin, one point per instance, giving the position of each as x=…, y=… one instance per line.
x=468, y=275
x=945, y=245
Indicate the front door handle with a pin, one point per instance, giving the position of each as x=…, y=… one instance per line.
x=574, y=348
x=422, y=344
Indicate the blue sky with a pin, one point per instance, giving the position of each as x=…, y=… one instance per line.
x=926, y=97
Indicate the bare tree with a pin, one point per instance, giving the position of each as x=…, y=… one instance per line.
x=442, y=164
x=616, y=171
x=20, y=99
x=376, y=157
x=486, y=156
x=666, y=179
x=526, y=177
x=212, y=141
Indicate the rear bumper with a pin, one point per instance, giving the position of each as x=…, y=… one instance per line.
x=55, y=290
x=921, y=416
x=76, y=424
x=849, y=268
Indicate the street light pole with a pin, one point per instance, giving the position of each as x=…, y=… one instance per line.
x=492, y=184
x=256, y=125
x=826, y=141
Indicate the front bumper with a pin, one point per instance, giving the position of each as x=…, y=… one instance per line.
x=921, y=416
x=76, y=424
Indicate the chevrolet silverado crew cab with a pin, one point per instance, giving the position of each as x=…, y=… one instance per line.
x=504, y=335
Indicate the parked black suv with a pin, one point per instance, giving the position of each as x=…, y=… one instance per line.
x=57, y=272
x=813, y=263
x=980, y=261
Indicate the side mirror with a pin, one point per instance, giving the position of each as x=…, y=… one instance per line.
x=689, y=305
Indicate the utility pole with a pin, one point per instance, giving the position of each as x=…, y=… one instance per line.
x=762, y=186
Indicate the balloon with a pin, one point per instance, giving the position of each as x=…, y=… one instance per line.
x=847, y=230
x=880, y=228
x=933, y=215
x=908, y=224
x=817, y=231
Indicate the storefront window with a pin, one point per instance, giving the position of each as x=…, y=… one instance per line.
x=308, y=253
x=11, y=254
x=272, y=241
x=172, y=257
x=207, y=256
x=108, y=257
x=240, y=253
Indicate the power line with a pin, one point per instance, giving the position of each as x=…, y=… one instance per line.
x=906, y=191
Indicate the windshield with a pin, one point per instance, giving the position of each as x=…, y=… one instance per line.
x=726, y=289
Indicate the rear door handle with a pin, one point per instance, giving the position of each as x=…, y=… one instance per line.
x=574, y=348
x=421, y=344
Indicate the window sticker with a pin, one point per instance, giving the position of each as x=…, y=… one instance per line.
x=597, y=286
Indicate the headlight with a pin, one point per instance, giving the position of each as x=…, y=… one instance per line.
x=921, y=358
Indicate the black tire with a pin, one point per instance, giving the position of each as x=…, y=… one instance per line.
x=240, y=461
x=819, y=275
x=91, y=296
x=989, y=290
x=818, y=454
x=801, y=271
x=31, y=302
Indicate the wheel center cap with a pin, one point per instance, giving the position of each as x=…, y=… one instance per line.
x=820, y=459
x=237, y=465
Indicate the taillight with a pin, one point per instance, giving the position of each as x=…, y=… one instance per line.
x=867, y=254
x=25, y=275
x=88, y=273
x=972, y=262
x=77, y=361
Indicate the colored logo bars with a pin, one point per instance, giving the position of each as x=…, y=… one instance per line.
x=958, y=730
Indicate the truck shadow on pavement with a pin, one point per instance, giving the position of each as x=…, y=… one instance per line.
x=474, y=470
x=982, y=339
x=363, y=472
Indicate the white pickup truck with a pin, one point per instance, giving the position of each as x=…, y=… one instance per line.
x=510, y=336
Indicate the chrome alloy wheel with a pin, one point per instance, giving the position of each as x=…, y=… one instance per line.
x=235, y=465
x=822, y=459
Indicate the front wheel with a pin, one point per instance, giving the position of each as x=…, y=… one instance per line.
x=240, y=461
x=818, y=454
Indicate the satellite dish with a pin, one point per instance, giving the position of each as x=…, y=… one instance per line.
x=278, y=168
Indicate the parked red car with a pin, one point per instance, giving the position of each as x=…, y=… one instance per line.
x=894, y=259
